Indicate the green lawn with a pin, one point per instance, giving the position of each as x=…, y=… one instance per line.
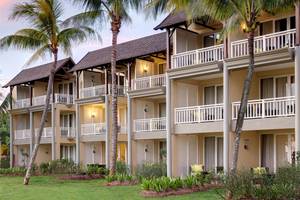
x=46, y=188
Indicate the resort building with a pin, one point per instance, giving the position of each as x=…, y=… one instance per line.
x=178, y=99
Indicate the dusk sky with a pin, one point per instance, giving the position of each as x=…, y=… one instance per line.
x=12, y=61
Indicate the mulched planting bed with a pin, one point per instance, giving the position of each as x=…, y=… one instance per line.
x=124, y=183
x=81, y=177
x=180, y=191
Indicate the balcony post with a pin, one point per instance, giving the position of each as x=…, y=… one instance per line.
x=11, y=97
x=226, y=121
x=297, y=80
x=107, y=127
x=169, y=126
x=168, y=57
x=53, y=118
x=31, y=132
x=78, y=134
x=11, y=140
x=129, y=132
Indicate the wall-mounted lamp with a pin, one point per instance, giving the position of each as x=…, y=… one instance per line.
x=145, y=69
x=92, y=115
x=246, y=144
x=146, y=109
x=146, y=148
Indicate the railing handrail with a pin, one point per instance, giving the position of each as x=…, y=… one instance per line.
x=149, y=77
x=201, y=106
x=199, y=50
x=149, y=119
x=264, y=36
x=266, y=99
x=93, y=87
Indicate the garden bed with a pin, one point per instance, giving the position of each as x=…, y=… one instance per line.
x=81, y=177
x=180, y=191
x=121, y=183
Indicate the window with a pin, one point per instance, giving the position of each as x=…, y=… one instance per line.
x=213, y=152
x=162, y=110
x=281, y=25
x=161, y=68
x=277, y=87
x=213, y=95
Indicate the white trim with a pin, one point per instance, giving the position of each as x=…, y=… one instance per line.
x=275, y=152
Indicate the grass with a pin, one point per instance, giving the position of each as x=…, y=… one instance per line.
x=46, y=188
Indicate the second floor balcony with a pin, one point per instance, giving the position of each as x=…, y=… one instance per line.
x=199, y=114
x=41, y=100
x=99, y=90
x=47, y=132
x=238, y=48
x=150, y=125
x=267, y=108
x=93, y=129
x=149, y=82
x=22, y=134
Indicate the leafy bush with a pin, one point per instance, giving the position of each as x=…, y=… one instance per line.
x=121, y=167
x=151, y=170
x=284, y=184
x=163, y=184
x=119, y=177
x=4, y=162
x=96, y=169
x=63, y=167
x=16, y=171
x=44, y=168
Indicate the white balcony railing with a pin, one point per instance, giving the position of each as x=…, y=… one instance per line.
x=47, y=132
x=99, y=90
x=64, y=98
x=267, y=108
x=93, y=129
x=265, y=43
x=199, y=56
x=21, y=103
x=149, y=82
x=153, y=124
x=67, y=132
x=22, y=134
x=198, y=114
x=39, y=100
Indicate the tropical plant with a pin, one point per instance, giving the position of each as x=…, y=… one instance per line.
x=116, y=12
x=46, y=35
x=233, y=14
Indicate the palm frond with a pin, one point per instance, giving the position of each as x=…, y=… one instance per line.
x=20, y=42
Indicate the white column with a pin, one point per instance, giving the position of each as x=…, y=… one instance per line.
x=226, y=122
x=31, y=132
x=11, y=140
x=169, y=126
x=129, y=128
x=53, y=152
x=107, y=124
x=78, y=134
x=297, y=96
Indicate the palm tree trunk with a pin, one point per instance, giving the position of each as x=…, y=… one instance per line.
x=42, y=123
x=115, y=28
x=244, y=101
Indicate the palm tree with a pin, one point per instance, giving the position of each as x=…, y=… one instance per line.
x=47, y=36
x=233, y=13
x=116, y=12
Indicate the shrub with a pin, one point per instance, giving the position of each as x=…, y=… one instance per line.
x=121, y=167
x=16, y=171
x=4, y=162
x=282, y=185
x=44, y=168
x=96, y=169
x=151, y=170
x=119, y=177
x=63, y=167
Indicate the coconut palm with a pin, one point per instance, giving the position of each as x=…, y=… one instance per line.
x=46, y=35
x=233, y=14
x=116, y=12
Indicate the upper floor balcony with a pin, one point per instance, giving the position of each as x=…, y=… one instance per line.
x=22, y=134
x=239, y=48
x=41, y=100
x=68, y=132
x=149, y=82
x=150, y=125
x=99, y=90
x=195, y=119
x=267, y=108
x=93, y=129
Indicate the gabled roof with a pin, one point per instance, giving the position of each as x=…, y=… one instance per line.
x=174, y=18
x=37, y=73
x=127, y=50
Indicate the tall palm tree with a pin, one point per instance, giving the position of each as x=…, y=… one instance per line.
x=233, y=13
x=46, y=35
x=116, y=12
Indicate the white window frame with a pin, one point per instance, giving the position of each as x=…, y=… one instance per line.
x=215, y=90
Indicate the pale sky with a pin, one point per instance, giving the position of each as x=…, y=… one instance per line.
x=12, y=61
